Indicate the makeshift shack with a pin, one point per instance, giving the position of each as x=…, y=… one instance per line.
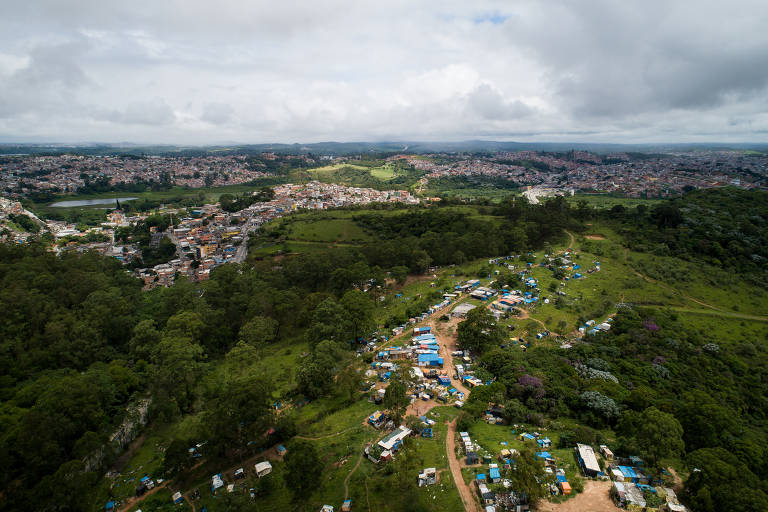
x=587, y=460
x=427, y=477
x=263, y=468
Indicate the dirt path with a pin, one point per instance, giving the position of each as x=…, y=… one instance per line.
x=190, y=502
x=120, y=463
x=306, y=438
x=346, y=480
x=714, y=309
x=133, y=500
x=678, y=482
x=470, y=505
x=672, y=289
x=595, y=498
x=448, y=345
x=524, y=314
x=573, y=240
x=717, y=312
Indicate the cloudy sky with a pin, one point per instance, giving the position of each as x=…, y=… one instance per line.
x=202, y=71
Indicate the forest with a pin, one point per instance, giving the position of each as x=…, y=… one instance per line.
x=82, y=346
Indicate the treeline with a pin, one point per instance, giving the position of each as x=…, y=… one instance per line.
x=232, y=203
x=724, y=227
x=665, y=390
x=420, y=238
x=103, y=184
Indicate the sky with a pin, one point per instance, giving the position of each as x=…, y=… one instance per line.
x=250, y=71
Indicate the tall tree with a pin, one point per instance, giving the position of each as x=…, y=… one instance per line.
x=258, y=331
x=177, y=365
x=395, y=399
x=659, y=435
x=329, y=322
x=480, y=332
x=359, y=308
x=303, y=469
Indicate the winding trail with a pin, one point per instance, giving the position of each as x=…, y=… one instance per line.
x=470, y=505
x=346, y=480
x=573, y=240
x=714, y=310
x=133, y=500
x=326, y=436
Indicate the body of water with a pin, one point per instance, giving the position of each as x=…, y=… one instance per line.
x=90, y=202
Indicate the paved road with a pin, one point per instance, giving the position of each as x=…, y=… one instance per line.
x=242, y=250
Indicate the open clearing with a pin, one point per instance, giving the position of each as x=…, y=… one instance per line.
x=336, y=167
x=595, y=498
x=594, y=237
x=383, y=172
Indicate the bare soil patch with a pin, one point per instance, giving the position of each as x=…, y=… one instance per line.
x=595, y=498
x=594, y=237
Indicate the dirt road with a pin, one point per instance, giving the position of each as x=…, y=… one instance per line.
x=470, y=505
x=595, y=498
x=133, y=500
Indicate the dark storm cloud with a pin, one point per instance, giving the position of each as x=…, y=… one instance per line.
x=625, y=58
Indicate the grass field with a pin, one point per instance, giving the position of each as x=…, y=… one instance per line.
x=355, y=174
x=327, y=230
x=385, y=173
x=608, y=201
x=494, y=194
x=329, y=169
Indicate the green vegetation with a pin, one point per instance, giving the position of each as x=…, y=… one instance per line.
x=263, y=353
x=374, y=173
x=147, y=200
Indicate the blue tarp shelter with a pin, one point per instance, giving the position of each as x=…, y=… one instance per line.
x=628, y=472
x=431, y=359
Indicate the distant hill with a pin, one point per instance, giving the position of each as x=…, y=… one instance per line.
x=347, y=148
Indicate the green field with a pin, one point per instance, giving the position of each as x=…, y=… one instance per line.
x=330, y=169
x=608, y=201
x=384, y=171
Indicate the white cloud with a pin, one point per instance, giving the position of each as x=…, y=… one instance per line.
x=257, y=71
